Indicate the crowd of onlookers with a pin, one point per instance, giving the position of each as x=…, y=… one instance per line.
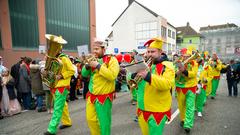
x=22, y=87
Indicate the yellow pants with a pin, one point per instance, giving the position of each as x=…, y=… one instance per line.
x=150, y=127
x=92, y=120
x=209, y=88
x=66, y=120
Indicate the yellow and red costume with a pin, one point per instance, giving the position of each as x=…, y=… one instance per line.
x=216, y=66
x=154, y=97
x=60, y=92
x=186, y=86
x=100, y=95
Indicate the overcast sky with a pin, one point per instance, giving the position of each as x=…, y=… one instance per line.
x=198, y=13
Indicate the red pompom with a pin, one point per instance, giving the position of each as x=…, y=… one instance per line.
x=119, y=57
x=183, y=51
x=127, y=58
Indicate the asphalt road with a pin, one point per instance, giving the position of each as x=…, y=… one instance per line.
x=221, y=116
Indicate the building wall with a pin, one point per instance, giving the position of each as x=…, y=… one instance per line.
x=135, y=27
x=191, y=41
x=12, y=54
x=171, y=40
x=71, y=22
x=224, y=42
x=124, y=34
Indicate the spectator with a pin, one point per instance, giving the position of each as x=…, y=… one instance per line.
x=10, y=103
x=15, y=74
x=36, y=83
x=25, y=83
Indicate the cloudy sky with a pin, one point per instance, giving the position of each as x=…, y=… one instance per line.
x=198, y=13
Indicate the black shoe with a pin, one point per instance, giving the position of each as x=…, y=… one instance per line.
x=187, y=130
x=181, y=123
x=76, y=98
x=1, y=117
x=48, y=133
x=64, y=126
x=42, y=110
x=212, y=97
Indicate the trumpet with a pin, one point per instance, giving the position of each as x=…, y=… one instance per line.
x=133, y=83
x=88, y=58
x=193, y=57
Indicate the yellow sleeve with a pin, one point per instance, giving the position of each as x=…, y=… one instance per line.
x=165, y=81
x=111, y=71
x=193, y=73
x=219, y=65
x=68, y=71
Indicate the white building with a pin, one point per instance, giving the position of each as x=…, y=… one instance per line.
x=135, y=26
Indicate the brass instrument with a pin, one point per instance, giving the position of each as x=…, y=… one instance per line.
x=53, y=65
x=88, y=58
x=133, y=83
x=193, y=57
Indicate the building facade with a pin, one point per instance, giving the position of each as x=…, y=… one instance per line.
x=23, y=25
x=187, y=37
x=135, y=26
x=224, y=40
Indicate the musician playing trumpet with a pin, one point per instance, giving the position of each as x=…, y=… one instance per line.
x=103, y=74
x=186, y=86
x=154, y=97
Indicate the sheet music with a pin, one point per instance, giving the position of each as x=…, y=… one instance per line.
x=133, y=68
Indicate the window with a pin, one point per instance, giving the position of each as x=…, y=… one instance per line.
x=153, y=33
x=218, y=49
x=218, y=40
x=237, y=39
x=169, y=33
x=190, y=41
x=138, y=27
x=228, y=39
x=146, y=31
x=209, y=41
x=173, y=47
x=169, y=49
x=163, y=31
x=173, y=35
x=153, y=25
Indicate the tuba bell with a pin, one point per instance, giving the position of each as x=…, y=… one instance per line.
x=53, y=65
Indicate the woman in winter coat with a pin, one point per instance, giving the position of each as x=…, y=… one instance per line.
x=36, y=83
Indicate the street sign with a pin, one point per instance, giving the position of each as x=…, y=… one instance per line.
x=141, y=47
x=82, y=49
x=42, y=49
x=116, y=50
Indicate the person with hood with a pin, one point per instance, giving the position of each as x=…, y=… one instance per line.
x=36, y=83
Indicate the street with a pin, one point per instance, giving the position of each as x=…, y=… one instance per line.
x=221, y=116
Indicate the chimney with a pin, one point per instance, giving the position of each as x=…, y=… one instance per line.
x=130, y=2
x=188, y=24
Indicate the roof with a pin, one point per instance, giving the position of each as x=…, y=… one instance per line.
x=171, y=25
x=150, y=11
x=187, y=31
x=222, y=26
